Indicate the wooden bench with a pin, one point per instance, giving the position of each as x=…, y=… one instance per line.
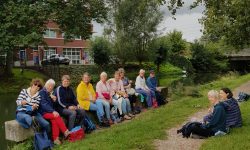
x=15, y=132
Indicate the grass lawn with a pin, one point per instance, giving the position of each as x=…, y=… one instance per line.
x=141, y=132
x=18, y=81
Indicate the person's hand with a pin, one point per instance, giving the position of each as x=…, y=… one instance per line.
x=210, y=110
x=79, y=106
x=72, y=108
x=24, y=102
x=53, y=97
x=34, y=106
x=125, y=95
x=55, y=113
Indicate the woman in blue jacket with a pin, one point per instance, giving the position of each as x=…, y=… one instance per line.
x=48, y=111
x=218, y=120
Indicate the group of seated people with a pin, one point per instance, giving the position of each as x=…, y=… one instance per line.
x=223, y=115
x=113, y=101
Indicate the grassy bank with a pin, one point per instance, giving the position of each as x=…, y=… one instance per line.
x=18, y=81
x=141, y=132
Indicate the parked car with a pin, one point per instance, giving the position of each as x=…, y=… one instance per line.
x=56, y=59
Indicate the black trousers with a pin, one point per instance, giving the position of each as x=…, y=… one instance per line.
x=198, y=130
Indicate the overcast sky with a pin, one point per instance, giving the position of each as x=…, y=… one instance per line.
x=186, y=22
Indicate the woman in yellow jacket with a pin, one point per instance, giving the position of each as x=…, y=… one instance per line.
x=86, y=97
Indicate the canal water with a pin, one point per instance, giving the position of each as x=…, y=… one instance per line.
x=8, y=101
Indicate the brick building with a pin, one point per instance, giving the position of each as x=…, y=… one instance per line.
x=76, y=50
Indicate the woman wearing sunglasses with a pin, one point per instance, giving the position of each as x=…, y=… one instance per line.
x=28, y=103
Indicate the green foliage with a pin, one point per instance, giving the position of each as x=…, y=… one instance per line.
x=207, y=58
x=23, y=22
x=182, y=62
x=226, y=20
x=18, y=81
x=133, y=25
x=101, y=49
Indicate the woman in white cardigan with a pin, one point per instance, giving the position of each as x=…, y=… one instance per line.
x=141, y=88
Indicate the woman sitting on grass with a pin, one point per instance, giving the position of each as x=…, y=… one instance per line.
x=28, y=103
x=67, y=105
x=47, y=110
x=218, y=119
x=86, y=97
x=232, y=109
x=104, y=94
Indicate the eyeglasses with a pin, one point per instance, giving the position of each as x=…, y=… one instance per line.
x=38, y=85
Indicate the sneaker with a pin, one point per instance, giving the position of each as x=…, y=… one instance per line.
x=110, y=122
x=131, y=115
x=103, y=125
x=126, y=117
x=57, y=142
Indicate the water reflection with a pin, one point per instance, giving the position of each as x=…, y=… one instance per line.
x=8, y=107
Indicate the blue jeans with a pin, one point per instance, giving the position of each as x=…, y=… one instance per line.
x=25, y=120
x=72, y=115
x=128, y=105
x=106, y=105
x=98, y=107
x=147, y=94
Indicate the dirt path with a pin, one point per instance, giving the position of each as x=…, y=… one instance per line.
x=176, y=142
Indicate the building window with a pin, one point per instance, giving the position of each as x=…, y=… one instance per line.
x=73, y=54
x=50, y=33
x=49, y=52
x=22, y=55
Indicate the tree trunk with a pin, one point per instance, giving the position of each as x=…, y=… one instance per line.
x=9, y=64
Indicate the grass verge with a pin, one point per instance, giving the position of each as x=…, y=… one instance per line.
x=144, y=129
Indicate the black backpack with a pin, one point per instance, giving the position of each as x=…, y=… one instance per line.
x=186, y=130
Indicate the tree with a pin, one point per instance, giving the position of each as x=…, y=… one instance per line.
x=101, y=49
x=226, y=19
x=23, y=22
x=207, y=58
x=133, y=27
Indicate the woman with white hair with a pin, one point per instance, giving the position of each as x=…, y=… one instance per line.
x=142, y=88
x=104, y=94
x=218, y=120
x=48, y=112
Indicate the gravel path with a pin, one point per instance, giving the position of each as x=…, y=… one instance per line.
x=176, y=142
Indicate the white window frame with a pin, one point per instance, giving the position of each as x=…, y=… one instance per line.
x=74, y=54
x=48, y=52
x=50, y=35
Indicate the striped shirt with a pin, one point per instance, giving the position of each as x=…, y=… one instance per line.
x=233, y=113
x=25, y=95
